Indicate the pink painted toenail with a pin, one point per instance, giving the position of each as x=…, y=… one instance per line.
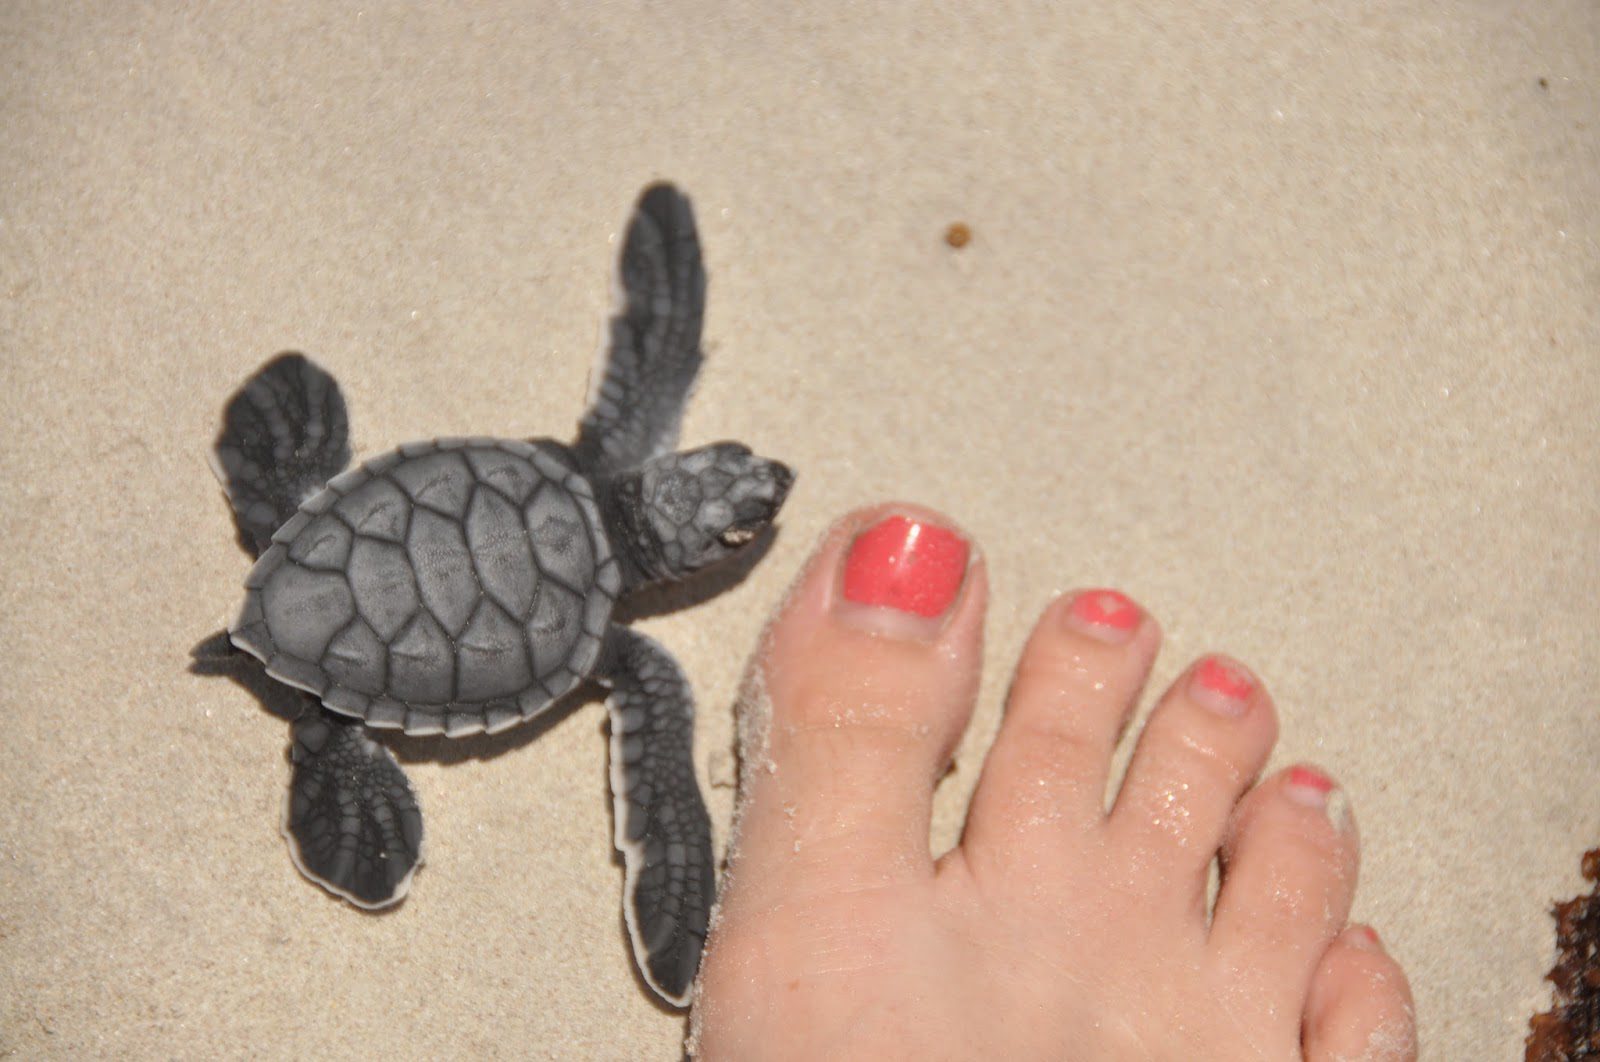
x=907, y=565
x=1365, y=938
x=1222, y=686
x=1310, y=788
x=1104, y=614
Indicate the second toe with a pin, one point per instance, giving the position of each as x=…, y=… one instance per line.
x=1044, y=781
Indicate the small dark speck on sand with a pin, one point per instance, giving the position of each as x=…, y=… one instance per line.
x=958, y=235
x=1544, y=83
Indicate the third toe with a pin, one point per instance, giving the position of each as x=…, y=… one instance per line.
x=1203, y=745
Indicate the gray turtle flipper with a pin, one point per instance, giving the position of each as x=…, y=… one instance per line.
x=654, y=350
x=662, y=828
x=217, y=655
x=284, y=434
x=352, y=819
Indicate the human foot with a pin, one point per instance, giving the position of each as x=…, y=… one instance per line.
x=1055, y=929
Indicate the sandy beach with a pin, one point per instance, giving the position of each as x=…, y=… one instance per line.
x=1284, y=318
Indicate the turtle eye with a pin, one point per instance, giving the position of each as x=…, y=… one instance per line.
x=736, y=536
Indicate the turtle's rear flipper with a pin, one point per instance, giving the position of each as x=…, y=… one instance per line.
x=352, y=820
x=661, y=824
x=217, y=655
x=637, y=402
x=284, y=434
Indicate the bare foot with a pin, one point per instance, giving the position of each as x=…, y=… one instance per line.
x=1054, y=930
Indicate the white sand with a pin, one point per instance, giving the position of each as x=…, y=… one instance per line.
x=1281, y=316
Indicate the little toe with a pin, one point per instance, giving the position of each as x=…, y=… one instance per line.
x=1075, y=687
x=865, y=682
x=1288, y=877
x=1202, y=747
x=1359, y=1008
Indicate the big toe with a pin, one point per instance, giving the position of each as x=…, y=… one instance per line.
x=864, y=684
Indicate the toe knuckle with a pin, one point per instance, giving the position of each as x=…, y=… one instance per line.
x=1054, y=675
x=1045, y=746
x=1046, y=752
x=1314, y=848
x=1199, y=763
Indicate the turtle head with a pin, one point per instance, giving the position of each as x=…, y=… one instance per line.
x=685, y=511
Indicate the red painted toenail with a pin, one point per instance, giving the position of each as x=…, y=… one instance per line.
x=1222, y=686
x=1310, y=778
x=1221, y=677
x=1310, y=788
x=1367, y=937
x=907, y=565
x=1104, y=614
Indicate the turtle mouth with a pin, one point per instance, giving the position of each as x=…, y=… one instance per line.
x=737, y=536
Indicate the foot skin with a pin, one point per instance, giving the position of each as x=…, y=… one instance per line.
x=1055, y=929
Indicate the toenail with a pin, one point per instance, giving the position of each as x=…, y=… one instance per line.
x=1222, y=686
x=1105, y=615
x=909, y=566
x=1310, y=788
x=1365, y=938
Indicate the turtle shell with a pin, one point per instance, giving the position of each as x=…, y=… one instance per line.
x=457, y=585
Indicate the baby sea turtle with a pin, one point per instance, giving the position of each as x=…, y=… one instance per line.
x=461, y=586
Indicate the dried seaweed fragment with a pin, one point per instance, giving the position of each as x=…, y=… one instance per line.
x=1570, y=1030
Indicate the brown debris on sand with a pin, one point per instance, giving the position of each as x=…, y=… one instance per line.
x=1570, y=1030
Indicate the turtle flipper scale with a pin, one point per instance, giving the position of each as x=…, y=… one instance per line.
x=654, y=345
x=662, y=828
x=352, y=819
x=284, y=434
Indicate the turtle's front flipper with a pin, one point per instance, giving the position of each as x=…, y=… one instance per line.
x=284, y=434
x=654, y=352
x=661, y=824
x=352, y=821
